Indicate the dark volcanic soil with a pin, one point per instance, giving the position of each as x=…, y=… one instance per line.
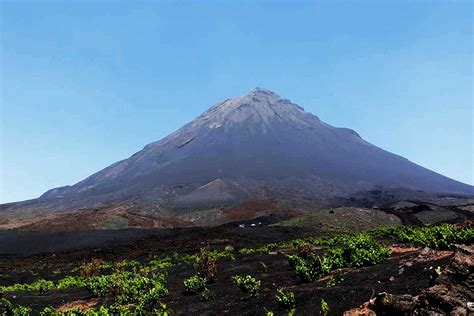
x=358, y=287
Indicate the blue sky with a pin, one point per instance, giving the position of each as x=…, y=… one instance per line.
x=87, y=83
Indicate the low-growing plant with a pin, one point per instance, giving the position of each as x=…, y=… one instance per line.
x=206, y=264
x=194, y=284
x=48, y=311
x=7, y=309
x=162, y=263
x=362, y=249
x=98, y=286
x=285, y=299
x=247, y=251
x=207, y=295
x=106, y=265
x=247, y=284
x=127, y=265
x=162, y=311
x=354, y=250
x=295, y=261
x=70, y=282
x=41, y=285
x=264, y=267
x=324, y=307
x=444, y=236
x=312, y=268
x=131, y=288
x=91, y=267
x=337, y=278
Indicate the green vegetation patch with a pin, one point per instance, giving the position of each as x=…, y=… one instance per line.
x=247, y=284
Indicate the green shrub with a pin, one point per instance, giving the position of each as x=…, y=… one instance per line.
x=337, y=278
x=162, y=263
x=98, y=286
x=70, y=282
x=362, y=249
x=324, y=307
x=49, y=311
x=247, y=284
x=162, y=311
x=444, y=236
x=127, y=265
x=354, y=250
x=285, y=299
x=313, y=267
x=207, y=295
x=7, y=309
x=247, y=251
x=295, y=261
x=131, y=288
x=194, y=284
x=41, y=285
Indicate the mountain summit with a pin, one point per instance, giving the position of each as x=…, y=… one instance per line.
x=262, y=140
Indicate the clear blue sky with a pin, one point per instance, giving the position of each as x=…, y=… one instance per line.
x=87, y=83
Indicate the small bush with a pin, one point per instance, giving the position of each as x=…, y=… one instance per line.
x=7, y=308
x=313, y=268
x=98, y=286
x=295, y=261
x=127, y=265
x=337, y=278
x=285, y=299
x=362, y=250
x=247, y=284
x=162, y=311
x=207, y=295
x=194, y=284
x=324, y=307
x=206, y=264
x=444, y=236
x=91, y=268
x=130, y=288
x=162, y=263
x=70, y=282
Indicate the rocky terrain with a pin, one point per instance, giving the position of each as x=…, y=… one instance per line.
x=387, y=271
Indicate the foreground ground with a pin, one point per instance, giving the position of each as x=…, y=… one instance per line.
x=409, y=268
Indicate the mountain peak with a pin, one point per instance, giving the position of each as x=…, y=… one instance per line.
x=258, y=106
x=262, y=92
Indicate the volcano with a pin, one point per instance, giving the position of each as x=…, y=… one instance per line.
x=259, y=145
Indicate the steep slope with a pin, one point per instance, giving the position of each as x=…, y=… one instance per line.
x=259, y=136
x=252, y=147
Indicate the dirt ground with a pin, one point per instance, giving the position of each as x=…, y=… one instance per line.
x=394, y=276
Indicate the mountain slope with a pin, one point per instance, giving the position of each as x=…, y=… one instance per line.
x=260, y=136
x=256, y=146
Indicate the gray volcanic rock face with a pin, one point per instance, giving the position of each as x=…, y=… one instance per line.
x=257, y=140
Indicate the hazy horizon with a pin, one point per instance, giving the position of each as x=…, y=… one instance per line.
x=84, y=85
